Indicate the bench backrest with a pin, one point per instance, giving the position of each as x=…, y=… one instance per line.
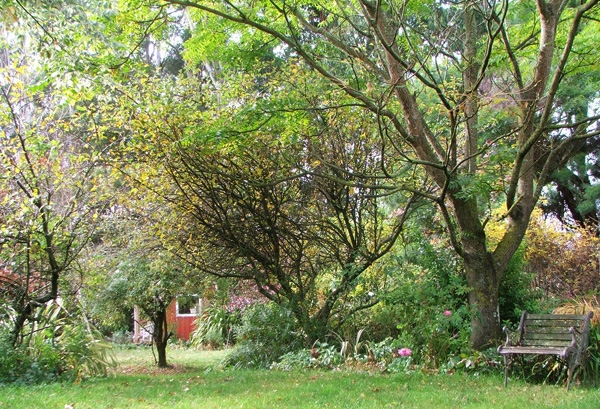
x=551, y=330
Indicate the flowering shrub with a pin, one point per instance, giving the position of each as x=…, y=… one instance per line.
x=383, y=356
x=436, y=330
x=242, y=296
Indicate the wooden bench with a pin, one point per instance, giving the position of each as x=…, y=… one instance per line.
x=549, y=334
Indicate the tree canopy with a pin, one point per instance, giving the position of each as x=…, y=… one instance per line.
x=293, y=204
x=291, y=140
x=467, y=92
x=51, y=195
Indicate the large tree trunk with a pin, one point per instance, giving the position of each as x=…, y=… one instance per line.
x=483, y=300
x=482, y=277
x=483, y=273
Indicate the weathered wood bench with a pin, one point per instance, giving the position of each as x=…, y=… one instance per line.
x=549, y=334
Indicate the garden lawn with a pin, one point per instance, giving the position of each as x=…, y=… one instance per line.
x=194, y=382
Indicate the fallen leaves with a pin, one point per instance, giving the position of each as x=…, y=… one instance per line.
x=151, y=370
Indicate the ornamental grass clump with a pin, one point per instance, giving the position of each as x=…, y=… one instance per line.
x=580, y=307
x=55, y=346
x=267, y=332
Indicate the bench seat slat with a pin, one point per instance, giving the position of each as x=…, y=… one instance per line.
x=544, y=343
x=553, y=317
x=532, y=350
x=565, y=336
x=553, y=323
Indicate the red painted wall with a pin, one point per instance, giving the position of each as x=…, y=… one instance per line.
x=183, y=325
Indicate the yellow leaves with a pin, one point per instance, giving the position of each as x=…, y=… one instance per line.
x=13, y=77
x=496, y=227
x=9, y=13
x=22, y=69
x=16, y=89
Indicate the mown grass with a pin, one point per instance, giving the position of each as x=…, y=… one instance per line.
x=194, y=382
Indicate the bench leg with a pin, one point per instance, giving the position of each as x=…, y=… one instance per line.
x=570, y=377
x=573, y=362
x=506, y=364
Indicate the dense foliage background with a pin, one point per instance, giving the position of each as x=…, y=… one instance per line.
x=351, y=182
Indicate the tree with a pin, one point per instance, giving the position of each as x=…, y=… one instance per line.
x=50, y=194
x=130, y=267
x=304, y=240
x=295, y=217
x=465, y=91
x=151, y=281
x=573, y=191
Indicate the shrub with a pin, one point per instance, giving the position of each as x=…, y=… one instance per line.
x=55, y=346
x=439, y=327
x=390, y=355
x=321, y=355
x=384, y=356
x=429, y=306
x=301, y=359
x=516, y=291
x=267, y=332
x=564, y=262
x=476, y=362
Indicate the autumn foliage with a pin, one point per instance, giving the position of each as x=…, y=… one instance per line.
x=564, y=263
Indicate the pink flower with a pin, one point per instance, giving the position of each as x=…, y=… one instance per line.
x=447, y=313
x=404, y=352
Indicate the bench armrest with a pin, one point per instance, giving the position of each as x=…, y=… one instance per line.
x=512, y=337
x=576, y=336
x=515, y=337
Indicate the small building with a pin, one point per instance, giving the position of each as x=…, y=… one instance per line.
x=181, y=314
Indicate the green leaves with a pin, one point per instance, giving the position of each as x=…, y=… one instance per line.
x=51, y=189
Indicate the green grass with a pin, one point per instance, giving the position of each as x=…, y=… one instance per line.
x=195, y=382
